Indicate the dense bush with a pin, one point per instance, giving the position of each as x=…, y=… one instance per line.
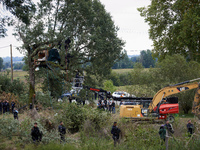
x=74, y=117
x=16, y=87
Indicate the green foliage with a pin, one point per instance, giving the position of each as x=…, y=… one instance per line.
x=1, y=64
x=125, y=62
x=16, y=87
x=120, y=79
x=18, y=66
x=108, y=86
x=20, y=9
x=74, y=117
x=92, y=33
x=174, y=27
x=52, y=82
x=146, y=59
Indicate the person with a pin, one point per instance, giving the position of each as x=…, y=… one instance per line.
x=98, y=105
x=115, y=132
x=169, y=128
x=8, y=106
x=1, y=107
x=12, y=105
x=62, y=131
x=4, y=106
x=105, y=102
x=102, y=105
x=15, y=113
x=113, y=107
x=190, y=128
x=70, y=99
x=162, y=132
x=36, y=134
x=121, y=102
x=110, y=105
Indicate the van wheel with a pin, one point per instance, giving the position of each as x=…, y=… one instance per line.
x=170, y=118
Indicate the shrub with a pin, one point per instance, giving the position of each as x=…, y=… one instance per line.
x=74, y=117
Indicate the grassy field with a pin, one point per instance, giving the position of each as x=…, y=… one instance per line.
x=17, y=74
x=21, y=74
x=121, y=71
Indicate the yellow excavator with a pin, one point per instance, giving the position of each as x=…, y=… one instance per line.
x=159, y=107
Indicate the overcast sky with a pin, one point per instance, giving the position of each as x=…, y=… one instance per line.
x=133, y=29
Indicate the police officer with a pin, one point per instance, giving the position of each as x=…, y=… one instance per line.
x=1, y=107
x=15, y=113
x=168, y=128
x=62, y=131
x=115, y=132
x=4, y=106
x=8, y=106
x=190, y=128
x=12, y=105
x=162, y=132
x=36, y=134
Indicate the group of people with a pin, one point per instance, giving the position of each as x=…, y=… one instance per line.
x=107, y=105
x=37, y=134
x=5, y=108
x=167, y=130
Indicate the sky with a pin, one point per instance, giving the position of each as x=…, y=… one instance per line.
x=132, y=27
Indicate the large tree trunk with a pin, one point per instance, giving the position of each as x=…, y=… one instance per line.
x=31, y=79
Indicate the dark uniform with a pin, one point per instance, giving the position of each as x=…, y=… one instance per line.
x=190, y=128
x=169, y=128
x=36, y=134
x=115, y=132
x=8, y=107
x=13, y=106
x=15, y=113
x=162, y=132
x=1, y=107
x=5, y=106
x=62, y=131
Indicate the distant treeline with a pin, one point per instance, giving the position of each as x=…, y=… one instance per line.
x=145, y=58
x=18, y=63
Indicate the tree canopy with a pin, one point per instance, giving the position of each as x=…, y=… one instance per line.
x=19, y=8
x=174, y=27
x=1, y=63
x=89, y=27
x=146, y=59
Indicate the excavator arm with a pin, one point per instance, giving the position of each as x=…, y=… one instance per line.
x=196, y=106
x=177, y=88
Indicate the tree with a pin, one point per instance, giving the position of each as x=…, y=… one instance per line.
x=124, y=62
x=90, y=29
x=146, y=59
x=20, y=9
x=108, y=86
x=174, y=27
x=1, y=63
